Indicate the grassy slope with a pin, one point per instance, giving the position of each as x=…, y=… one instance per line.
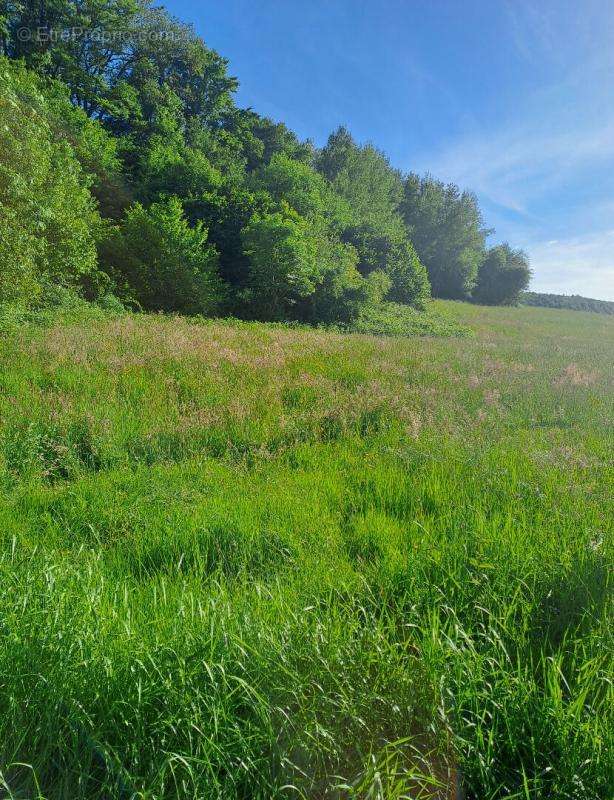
x=237, y=558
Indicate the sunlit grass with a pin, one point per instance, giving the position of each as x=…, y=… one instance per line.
x=241, y=561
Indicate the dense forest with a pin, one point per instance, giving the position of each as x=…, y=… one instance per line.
x=574, y=302
x=128, y=171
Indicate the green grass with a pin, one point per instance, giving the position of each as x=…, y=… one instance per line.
x=240, y=561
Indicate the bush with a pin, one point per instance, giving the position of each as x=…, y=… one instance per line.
x=299, y=270
x=344, y=294
x=396, y=319
x=58, y=305
x=161, y=263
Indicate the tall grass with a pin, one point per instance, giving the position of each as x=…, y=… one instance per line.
x=240, y=561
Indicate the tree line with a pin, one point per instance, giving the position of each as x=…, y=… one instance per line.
x=573, y=302
x=126, y=167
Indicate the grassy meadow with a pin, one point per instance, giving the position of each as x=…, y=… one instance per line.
x=251, y=561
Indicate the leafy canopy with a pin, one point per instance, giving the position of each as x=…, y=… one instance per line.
x=48, y=217
x=445, y=226
x=162, y=263
x=503, y=276
x=126, y=164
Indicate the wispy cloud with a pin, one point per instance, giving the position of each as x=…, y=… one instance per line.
x=529, y=183
x=529, y=25
x=514, y=168
x=544, y=172
x=581, y=265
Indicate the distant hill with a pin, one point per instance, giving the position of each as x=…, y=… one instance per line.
x=574, y=302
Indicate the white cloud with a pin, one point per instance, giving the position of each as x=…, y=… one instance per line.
x=525, y=175
x=580, y=265
x=543, y=182
x=513, y=168
x=553, y=135
x=530, y=28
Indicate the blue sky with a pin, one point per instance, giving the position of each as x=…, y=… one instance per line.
x=513, y=99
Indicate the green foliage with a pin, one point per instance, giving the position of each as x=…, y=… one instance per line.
x=283, y=258
x=364, y=177
x=342, y=291
x=139, y=109
x=132, y=62
x=264, y=139
x=161, y=263
x=166, y=167
x=58, y=305
x=226, y=213
x=445, y=226
x=299, y=185
x=95, y=149
x=337, y=291
x=393, y=254
x=574, y=301
x=502, y=276
x=48, y=220
x=373, y=191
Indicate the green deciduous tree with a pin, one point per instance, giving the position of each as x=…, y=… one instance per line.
x=121, y=59
x=364, y=177
x=48, y=218
x=283, y=258
x=445, y=226
x=373, y=192
x=502, y=276
x=158, y=260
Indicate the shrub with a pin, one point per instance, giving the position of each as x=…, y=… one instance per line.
x=397, y=319
x=160, y=262
x=344, y=293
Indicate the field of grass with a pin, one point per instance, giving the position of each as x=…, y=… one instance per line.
x=240, y=561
